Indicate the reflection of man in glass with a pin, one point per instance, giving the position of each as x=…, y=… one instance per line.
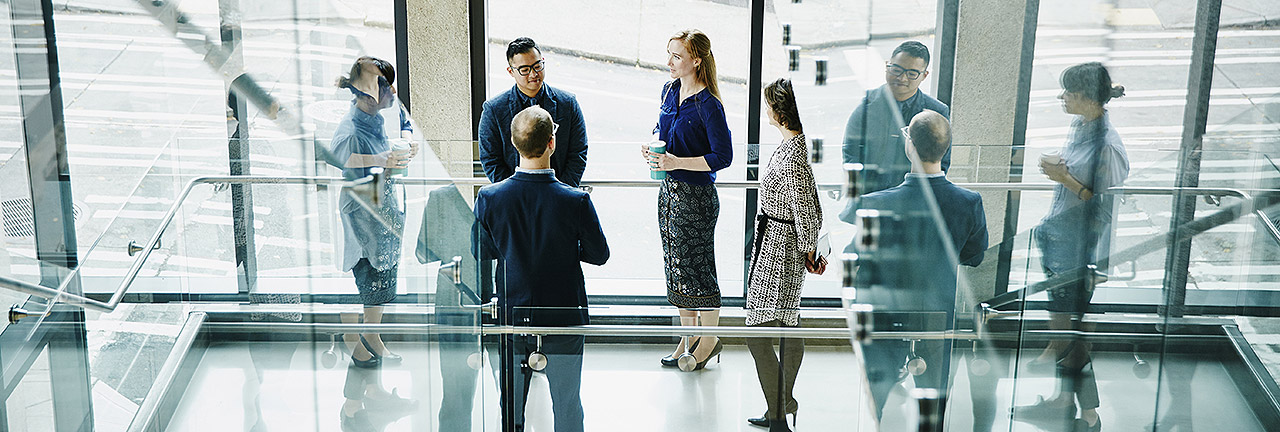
x=872, y=137
x=499, y=158
x=543, y=230
x=912, y=269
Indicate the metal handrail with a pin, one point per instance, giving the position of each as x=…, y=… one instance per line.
x=59, y=294
x=145, y=418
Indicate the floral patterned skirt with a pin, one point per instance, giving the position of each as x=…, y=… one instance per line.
x=687, y=216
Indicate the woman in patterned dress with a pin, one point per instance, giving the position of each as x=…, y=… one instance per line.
x=785, y=247
x=693, y=125
x=371, y=245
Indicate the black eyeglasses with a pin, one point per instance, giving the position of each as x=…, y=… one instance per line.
x=912, y=74
x=536, y=67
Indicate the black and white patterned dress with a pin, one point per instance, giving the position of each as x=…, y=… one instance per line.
x=785, y=232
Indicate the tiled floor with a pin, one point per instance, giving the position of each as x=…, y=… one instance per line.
x=626, y=390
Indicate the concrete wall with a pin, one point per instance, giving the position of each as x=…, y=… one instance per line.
x=440, y=63
x=983, y=109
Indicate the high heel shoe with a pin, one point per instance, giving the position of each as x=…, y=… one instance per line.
x=715, y=352
x=763, y=421
x=371, y=363
x=391, y=358
x=670, y=361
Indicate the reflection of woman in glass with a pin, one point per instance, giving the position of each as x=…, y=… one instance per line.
x=693, y=125
x=785, y=242
x=1077, y=232
x=371, y=241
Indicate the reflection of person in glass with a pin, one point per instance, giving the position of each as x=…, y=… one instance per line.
x=370, y=407
x=406, y=127
x=912, y=270
x=447, y=223
x=693, y=125
x=371, y=243
x=527, y=67
x=871, y=135
x=1076, y=233
x=543, y=230
x=785, y=245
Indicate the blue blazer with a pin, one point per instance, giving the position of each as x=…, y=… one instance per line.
x=911, y=270
x=543, y=230
x=498, y=154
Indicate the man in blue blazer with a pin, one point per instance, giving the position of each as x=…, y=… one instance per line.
x=527, y=67
x=913, y=269
x=543, y=230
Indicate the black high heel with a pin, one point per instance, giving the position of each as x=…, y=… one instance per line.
x=391, y=357
x=670, y=361
x=715, y=352
x=371, y=363
x=763, y=421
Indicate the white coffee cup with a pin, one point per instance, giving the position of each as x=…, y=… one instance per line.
x=1051, y=158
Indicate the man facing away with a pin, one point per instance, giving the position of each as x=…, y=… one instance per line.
x=916, y=273
x=542, y=229
x=527, y=67
x=872, y=136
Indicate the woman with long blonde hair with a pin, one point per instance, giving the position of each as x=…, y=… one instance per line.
x=692, y=123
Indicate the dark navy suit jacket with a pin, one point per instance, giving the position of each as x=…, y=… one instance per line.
x=543, y=229
x=911, y=270
x=498, y=154
x=873, y=136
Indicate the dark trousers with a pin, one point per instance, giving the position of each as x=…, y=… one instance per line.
x=459, y=382
x=885, y=358
x=777, y=374
x=564, y=374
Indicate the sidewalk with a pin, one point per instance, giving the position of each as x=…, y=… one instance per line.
x=627, y=31
x=636, y=31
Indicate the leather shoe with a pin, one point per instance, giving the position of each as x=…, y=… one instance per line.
x=763, y=421
x=371, y=363
x=1083, y=426
x=670, y=361
x=359, y=422
x=390, y=358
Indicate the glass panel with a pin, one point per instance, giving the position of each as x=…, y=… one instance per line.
x=731, y=378
x=30, y=406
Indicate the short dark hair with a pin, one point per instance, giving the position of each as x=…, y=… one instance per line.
x=914, y=49
x=931, y=135
x=531, y=131
x=1092, y=81
x=782, y=100
x=521, y=46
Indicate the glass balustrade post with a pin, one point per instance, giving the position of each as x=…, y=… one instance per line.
x=40, y=96
x=238, y=150
x=1194, y=121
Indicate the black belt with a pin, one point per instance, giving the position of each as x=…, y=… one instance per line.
x=762, y=222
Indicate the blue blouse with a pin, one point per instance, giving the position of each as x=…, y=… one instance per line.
x=364, y=235
x=1077, y=232
x=695, y=127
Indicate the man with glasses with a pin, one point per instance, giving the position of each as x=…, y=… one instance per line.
x=527, y=67
x=872, y=136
